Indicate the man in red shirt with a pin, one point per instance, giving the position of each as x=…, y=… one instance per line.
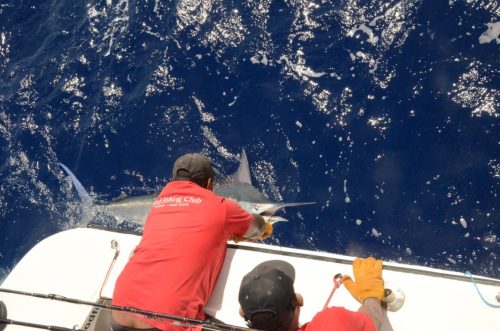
x=175, y=266
x=269, y=302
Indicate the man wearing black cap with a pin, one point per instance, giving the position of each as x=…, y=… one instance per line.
x=268, y=300
x=175, y=266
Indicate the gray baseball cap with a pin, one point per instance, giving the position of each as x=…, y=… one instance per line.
x=194, y=166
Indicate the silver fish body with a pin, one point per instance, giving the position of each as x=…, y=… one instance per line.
x=237, y=187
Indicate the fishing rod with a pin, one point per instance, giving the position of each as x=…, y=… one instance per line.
x=4, y=322
x=177, y=320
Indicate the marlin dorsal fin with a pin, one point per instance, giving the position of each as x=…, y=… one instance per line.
x=243, y=172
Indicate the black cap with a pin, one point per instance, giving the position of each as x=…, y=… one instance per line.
x=195, y=166
x=267, y=295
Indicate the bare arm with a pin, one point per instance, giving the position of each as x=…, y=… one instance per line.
x=368, y=288
x=373, y=307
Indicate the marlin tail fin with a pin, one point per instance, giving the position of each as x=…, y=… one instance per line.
x=85, y=198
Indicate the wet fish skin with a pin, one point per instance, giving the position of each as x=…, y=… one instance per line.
x=237, y=187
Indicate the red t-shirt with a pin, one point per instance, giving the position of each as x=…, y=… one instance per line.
x=175, y=266
x=339, y=319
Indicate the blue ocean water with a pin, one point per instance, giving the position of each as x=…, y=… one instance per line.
x=386, y=113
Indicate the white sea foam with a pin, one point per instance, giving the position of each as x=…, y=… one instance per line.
x=452, y=261
x=492, y=33
x=301, y=69
x=346, y=199
x=260, y=58
x=232, y=102
x=73, y=85
x=463, y=222
x=205, y=116
x=211, y=137
x=372, y=38
x=375, y=233
x=107, y=24
x=192, y=14
x=475, y=90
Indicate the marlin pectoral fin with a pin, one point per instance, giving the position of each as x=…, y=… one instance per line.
x=274, y=219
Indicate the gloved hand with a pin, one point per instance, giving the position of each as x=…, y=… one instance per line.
x=368, y=276
x=237, y=239
x=268, y=230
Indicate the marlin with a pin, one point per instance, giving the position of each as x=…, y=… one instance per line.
x=237, y=187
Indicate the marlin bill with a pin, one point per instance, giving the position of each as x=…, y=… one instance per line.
x=237, y=186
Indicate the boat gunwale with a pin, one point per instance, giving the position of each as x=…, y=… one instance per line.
x=338, y=258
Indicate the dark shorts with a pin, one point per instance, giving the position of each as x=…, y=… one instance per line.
x=117, y=327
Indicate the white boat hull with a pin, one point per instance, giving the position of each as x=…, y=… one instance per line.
x=75, y=264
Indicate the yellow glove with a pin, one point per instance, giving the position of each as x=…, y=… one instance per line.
x=268, y=230
x=369, y=282
x=237, y=239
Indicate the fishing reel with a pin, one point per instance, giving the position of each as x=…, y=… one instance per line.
x=394, y=296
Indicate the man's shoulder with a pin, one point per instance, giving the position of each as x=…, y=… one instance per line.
x=186, y=187
x=339, y=319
